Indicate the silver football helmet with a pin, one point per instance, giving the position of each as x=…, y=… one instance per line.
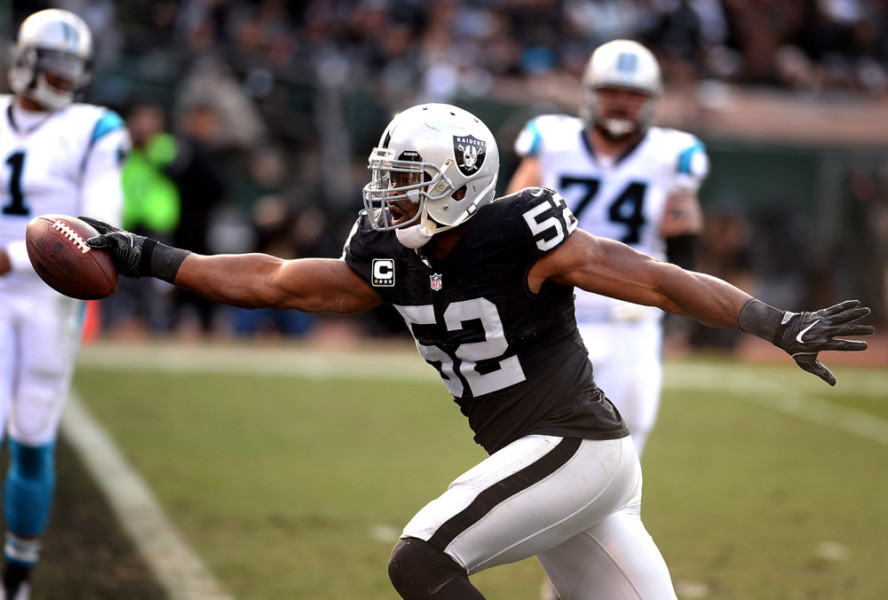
x=439, y=157
x=55, y=42
x=627, y=65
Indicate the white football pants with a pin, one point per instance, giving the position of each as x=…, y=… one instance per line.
x=39, y=341
x=627, y=363
x=575, y=504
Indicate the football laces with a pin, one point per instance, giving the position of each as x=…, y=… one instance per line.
x=72, y=235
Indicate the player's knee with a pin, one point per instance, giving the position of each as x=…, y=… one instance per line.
x=29, y=488
x=416, y=569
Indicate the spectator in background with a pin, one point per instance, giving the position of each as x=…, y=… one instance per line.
x=199, y=173
x=867, y=225
x=151, y=206
x=285, y=230
x=726, y=253
x=151, y=199
x=281, y=223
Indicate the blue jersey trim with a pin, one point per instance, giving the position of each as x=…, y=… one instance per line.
x=537, y=138
x=108, y=122
x=684, y=159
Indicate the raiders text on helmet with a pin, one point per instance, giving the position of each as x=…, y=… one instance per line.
x=51, y=41
x=621, y=64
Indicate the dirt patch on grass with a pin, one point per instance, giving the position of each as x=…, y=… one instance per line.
x=86, y=556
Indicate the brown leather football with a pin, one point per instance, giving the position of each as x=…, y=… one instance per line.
x=57, y=249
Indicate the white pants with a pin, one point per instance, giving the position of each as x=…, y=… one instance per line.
x=627, y=360
x=575, y=504
x=39, y=341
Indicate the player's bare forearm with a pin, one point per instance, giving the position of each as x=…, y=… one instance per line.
x=613, y=269
x=263, y=281
x=245, y=280
x=707, y=299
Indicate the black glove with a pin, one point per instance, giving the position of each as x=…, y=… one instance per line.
x=803, y=335
x=135, y=255
x=125, y=247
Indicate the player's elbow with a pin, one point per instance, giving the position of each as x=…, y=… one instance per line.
x=672, y=283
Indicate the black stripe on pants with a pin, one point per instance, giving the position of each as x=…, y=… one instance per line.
x=503, y=490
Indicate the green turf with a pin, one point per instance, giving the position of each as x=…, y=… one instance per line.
x=291, y=487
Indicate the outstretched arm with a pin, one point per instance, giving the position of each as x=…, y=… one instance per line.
x=613, y=269
x=258, y=281
x=245, y=280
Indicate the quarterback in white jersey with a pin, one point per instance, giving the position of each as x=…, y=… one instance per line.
x=628, y=181
x=56, y=156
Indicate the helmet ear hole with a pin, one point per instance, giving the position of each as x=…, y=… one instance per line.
x=460, y=193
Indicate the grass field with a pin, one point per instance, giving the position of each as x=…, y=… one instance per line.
x=290, y=472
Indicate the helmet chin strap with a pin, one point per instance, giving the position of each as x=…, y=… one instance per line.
x=417, y=236
x=413, y=237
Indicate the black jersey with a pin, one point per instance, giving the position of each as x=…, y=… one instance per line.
x=513, y=360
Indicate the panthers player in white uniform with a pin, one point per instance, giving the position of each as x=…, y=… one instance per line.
x=486, y=288
x=56, y=156
x=628, y=181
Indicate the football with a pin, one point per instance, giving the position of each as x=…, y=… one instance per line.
x=57, y=249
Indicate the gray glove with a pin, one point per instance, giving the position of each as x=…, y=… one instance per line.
x=135, y=255
x=803, y=335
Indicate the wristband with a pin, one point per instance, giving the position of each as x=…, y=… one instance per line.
x=161, y=261
x=760, y=319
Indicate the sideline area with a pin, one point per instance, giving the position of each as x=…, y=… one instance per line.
x=175, y=566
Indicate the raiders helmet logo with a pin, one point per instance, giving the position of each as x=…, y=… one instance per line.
x=469, y=152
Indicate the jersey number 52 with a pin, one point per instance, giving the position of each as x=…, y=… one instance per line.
x=459, y=365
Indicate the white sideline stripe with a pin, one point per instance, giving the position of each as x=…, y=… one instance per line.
x=382, y=365
x=313, y=364
x=174, y=564
x=779, y=397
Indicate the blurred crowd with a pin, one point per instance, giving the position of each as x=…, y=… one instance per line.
x=234, y=105
x=435, y=46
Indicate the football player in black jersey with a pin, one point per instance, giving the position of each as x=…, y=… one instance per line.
x=486, y=288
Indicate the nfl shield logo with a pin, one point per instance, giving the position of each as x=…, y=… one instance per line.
x=436, y=282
